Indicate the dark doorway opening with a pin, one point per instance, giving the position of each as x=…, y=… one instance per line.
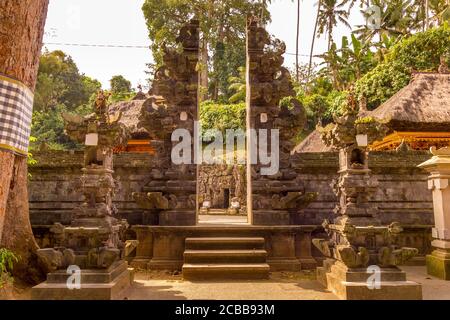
x=226, y=198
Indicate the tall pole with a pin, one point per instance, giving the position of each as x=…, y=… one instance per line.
x=297, y=42
x=313, y=41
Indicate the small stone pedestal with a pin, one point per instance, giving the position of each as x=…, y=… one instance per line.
x=438, y=263
x=354, y=283
x=96, y=284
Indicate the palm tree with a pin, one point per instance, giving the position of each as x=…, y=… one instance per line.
x=396, y=20
x=330, y=13
x=440, y=10
x=333, y=67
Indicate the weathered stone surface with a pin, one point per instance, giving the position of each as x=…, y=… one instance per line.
x=268, y=84
x=438, y=263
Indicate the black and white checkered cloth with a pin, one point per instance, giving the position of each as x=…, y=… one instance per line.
x=16, y=107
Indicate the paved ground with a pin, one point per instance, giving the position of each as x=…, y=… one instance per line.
x=432, y=288
x=282, y=285
x=290, y=286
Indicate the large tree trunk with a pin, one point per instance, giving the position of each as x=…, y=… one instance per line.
x=21, y=33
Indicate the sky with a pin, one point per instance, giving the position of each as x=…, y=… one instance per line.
x=121, y=22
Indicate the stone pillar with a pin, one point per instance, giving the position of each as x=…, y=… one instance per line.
x=174, y=105
x=362, y=255
x=438, y=263
x=275, y=196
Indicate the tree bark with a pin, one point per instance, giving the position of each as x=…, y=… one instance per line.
x=21, y=33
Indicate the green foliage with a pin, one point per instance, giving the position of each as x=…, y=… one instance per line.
x=222, y=24
x=60, y=82
x=222, y=116
x=7, y=260
x=60, y=88
x=120, y=89
x=238, y=85
x=421, y=52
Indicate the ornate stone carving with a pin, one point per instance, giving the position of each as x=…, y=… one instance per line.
x=93, y=230
x=278, y=198
x=173, y=106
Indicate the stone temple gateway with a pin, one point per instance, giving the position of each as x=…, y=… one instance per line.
x=357, y=193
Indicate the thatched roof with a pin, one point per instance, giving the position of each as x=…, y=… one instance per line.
x=423, y=105
x=131, y=111
x=312, y=143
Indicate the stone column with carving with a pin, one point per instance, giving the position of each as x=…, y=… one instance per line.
x=273, y=198
x=171, y=193
x=362, y=257
x=438, y=263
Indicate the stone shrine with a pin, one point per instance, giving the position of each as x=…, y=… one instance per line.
x=91, y=249
x=362, y=255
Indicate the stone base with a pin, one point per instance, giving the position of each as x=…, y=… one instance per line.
x=107, y=284
x=177, y=218
x=165, y=264
x=286, y=264
x=438, y=264
x=163, y=247
x=271, y=217
x=139, y=263
x=351, y=284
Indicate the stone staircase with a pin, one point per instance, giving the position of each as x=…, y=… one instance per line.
x=225, y=258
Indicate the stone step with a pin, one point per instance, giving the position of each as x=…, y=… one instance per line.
x=225, y=256
x=224, y=243
x=225, y=271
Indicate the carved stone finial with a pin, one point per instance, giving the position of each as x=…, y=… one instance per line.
x=441, y=152
x=403, y=147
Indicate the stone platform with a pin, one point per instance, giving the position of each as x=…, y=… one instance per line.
x=109, y=284
x=352, y=284
x=162, y=247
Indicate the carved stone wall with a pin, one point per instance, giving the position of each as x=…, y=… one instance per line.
x=403, y=194
x=273, y=198
x=215, y=181
x=171, y=191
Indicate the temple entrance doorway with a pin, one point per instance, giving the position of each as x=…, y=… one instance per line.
x=221, y=195
x=226, y=198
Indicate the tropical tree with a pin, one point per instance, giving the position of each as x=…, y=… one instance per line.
x=60, y=82
x=397, y=18
x=223, y=25
x=331, y=12
x=21, y=33
x=120, y=88
x=421, y=51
